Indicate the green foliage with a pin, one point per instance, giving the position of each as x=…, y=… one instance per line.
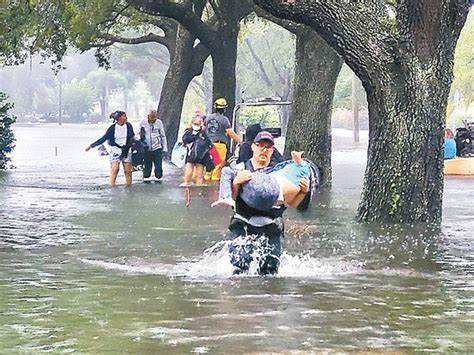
x=7, y=139
x=45, y=100
x=275, y=47
x=267, y=116
x=343, y=91
x=463, y=72
x=103, y=80
x=32, y=27
x=78, y=99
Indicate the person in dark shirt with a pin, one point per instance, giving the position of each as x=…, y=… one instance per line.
x=249, y=226
x=245, y=150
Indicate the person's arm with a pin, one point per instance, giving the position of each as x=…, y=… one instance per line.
x=304, y=189
x=230, y=133
x=241, y=177
x=102, y=139
x=188, y=136
x=164, y=143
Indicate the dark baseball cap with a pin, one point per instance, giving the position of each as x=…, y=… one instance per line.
x=264, y=136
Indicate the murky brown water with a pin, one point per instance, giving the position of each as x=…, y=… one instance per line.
x=87, y=269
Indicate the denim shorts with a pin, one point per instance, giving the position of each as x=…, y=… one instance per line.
x=115, y=155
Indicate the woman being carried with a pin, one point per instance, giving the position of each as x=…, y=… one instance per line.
x=274, y=186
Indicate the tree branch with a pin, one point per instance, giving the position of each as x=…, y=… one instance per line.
x=151, y=37
x=350, y=27
x=184, y=14
x=263, y=72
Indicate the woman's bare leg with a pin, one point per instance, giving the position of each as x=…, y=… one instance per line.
x=289, y=190
x=114, y=170
x=198, y=175
x=188, y=173
x=127, y=168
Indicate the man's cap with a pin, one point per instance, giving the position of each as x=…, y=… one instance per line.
x=264, y=136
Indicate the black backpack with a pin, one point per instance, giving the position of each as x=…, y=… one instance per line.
x=463, y=140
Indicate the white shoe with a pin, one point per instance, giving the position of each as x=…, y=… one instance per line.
x=224, y=202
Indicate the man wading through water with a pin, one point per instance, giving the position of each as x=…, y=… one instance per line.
x=253, y=231
x=219, y=130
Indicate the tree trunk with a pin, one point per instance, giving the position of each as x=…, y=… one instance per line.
x=405, y=65
x=102, y=108
x=404, y=174
x=309, y=127
x=223, y=68
x=355, y=110
x=173, y=91
x=186, y=62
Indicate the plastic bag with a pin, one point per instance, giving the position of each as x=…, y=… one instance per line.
x=178, y=155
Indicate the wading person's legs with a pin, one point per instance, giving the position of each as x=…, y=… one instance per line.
x=188, y=173
x=263, y=243
x=114, y=170
x=128, y=168
x=157, y=160
x=148, y=158
x=198, y=174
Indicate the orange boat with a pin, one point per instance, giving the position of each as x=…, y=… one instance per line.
x=459, y=166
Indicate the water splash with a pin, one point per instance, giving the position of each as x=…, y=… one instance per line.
x=215, y=264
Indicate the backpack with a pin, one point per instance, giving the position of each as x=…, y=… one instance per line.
x=463, y=140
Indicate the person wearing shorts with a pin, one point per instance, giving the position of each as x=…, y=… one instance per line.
x=119, y=137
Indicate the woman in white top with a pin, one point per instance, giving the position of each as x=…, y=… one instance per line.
x=119, y=136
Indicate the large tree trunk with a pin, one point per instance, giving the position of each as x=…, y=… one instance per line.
x=170, y=106
x=309, y=127
x=223, y=67
x=405, y=65
x=404, y=175
x=186, y=62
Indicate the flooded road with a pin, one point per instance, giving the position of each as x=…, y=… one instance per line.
x=89, y=269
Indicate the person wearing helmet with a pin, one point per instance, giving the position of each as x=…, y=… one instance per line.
x=220, y=132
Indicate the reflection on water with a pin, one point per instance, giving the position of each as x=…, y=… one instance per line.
x=90, y=269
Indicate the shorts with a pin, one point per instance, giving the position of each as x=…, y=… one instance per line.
x=116, y=156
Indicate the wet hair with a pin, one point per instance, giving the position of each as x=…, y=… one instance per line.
x=115, y=115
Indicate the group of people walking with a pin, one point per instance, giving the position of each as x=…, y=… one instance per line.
x=258, y=188
x=120, y=137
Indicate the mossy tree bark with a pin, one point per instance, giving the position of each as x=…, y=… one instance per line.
x=317, y=67
x=309, y=127
x=403, y=57
x=186, y=62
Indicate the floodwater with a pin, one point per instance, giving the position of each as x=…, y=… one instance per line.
x=89, y=269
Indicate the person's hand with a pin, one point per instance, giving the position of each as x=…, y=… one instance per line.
x=242, y=177
x=88, y=148
x=304, y=185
